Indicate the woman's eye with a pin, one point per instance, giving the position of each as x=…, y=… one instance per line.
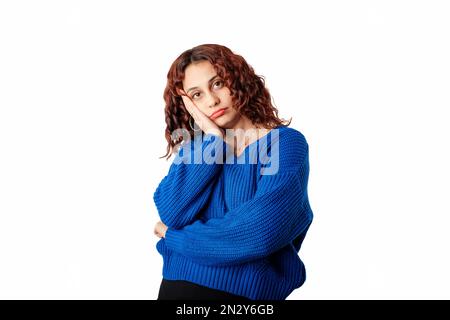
x=218, y=84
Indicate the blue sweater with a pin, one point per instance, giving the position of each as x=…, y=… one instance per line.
x=233, y=226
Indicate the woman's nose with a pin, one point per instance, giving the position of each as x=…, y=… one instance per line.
x=213, y=100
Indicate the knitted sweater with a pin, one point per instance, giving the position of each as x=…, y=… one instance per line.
x=233, y=226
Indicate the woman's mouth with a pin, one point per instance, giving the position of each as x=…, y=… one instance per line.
x=217, y=114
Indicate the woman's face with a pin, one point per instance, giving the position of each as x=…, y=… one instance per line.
x=207, y=90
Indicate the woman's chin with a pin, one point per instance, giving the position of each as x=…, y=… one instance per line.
x=224, y=122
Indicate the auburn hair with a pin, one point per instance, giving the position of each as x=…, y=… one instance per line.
x=249, y=95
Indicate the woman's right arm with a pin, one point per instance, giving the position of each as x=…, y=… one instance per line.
x=186, y=188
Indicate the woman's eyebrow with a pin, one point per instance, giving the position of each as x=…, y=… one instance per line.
x=208, y=82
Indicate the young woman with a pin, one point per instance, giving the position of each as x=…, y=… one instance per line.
x=234, y=206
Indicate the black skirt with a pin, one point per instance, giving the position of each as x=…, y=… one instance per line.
x=184, y=290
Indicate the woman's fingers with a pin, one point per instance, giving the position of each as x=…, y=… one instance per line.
x=192, y=109
x=160, y=229
x=188, y=104
x=186, y=100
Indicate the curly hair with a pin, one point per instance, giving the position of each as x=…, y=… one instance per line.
x=249, y=95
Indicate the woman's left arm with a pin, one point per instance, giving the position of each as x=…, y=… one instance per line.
x=276, y=215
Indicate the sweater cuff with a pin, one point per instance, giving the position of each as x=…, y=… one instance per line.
x=174, y=239
x=213, y=148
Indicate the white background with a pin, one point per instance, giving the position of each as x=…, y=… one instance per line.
x=82, y=127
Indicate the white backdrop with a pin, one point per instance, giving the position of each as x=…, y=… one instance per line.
x=82, y=123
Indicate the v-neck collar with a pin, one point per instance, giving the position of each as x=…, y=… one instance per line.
x=244, y=151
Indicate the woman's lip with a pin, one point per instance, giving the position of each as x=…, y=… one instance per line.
x=218, y=113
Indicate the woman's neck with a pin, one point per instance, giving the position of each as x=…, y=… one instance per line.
x=243, y=133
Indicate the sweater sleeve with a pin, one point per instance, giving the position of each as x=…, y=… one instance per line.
x=186, y=188
x=275, y=216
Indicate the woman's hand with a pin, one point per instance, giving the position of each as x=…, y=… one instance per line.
x=160, y=229
x=207, y=125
